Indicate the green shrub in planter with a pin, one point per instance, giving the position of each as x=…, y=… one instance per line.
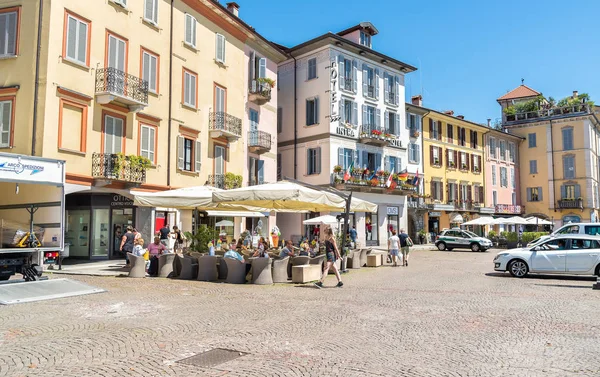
x=511, y=236
x=530, y=236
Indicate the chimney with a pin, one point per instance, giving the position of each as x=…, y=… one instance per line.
x=461, y=117
x=575, y=93
x=234, y=8
x=449, y=112
x=417, y=100
x=489, y=122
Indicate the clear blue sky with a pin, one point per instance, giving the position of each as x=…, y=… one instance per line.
x=469, y=52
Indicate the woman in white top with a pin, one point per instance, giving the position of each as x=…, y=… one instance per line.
x=394, y=247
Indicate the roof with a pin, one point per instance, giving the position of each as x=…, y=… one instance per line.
x=455, y=119
x=339, y=41
x=363, y=25
x=499, y=133
x=522, y=91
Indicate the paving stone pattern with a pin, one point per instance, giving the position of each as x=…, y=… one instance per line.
x=447, y=314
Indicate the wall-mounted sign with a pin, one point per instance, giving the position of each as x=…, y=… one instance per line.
x=396, y=143
x=334, y=115
x=435, y=214
x=121, y=201
x=344, y=131
x=392, y=211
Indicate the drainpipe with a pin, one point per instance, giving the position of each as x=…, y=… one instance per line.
x=552, y=157
x=37, y=76
x=170, y=97
x=295, y=120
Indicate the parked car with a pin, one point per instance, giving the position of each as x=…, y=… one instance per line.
x=573, y=254
x=572, y=228
x=461, y=239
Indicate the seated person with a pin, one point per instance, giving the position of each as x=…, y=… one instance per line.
x=306, y=251
x=234, y=255
x=138, y=249
x=561, y=244
x=233, y=245
x=261, y=252
x=288, y=250
x=156, y=248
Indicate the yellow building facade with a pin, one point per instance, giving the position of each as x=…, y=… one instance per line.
x=164, y=80
x=453, y=166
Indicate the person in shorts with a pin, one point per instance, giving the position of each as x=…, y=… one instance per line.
x=394, y=248
x=164, y=235
x=333, y=254
x=405, y=243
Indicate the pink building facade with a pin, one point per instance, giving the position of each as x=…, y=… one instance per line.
x=502, y=173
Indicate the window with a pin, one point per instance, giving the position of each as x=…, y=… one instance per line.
x=148, y=142
x=9, y=30
x=190, y=88
x=348, y=111
x=365, y=39
x=150, y=70
x=391, y=84
x=514, y=199
x=220, y=48
x=279, y=119
x=413, y=122
x=533, y=167
x=473, y=136
x=122, y=3
x=534, y=194
x=436, y=190
x=347, y=73
x=450, y=133
x=392, y=123
x=435, y=130
x=451, y=159
x=512, y=152
x=77, y=39
x=72, y=119
x=345, y=158
x=312, y=111
x=392, y=163
x=220, y=100
x=570, y=191
x=494, y=175
x=502, y=150
x=452, y=191
x=567, y=136
x=512, y=178
x=313, y=163
x=6, y=123
x=503, y=177
x=256, y=171
x=370, y=82
x=492, y=147
x=462, y=136
x=495, y=198
x=414, y=153
x=592, y=230
x=532, y=140
x=372, y=229
x=113, y=135
x=436, y=156
x=190, y=30
x=463, y=160
x=312, y=68
x=569, y=167
x=189, y=157
x=476, y=166
x=151, y=11
x=476, y=194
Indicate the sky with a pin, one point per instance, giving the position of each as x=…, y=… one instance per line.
x=468, y=52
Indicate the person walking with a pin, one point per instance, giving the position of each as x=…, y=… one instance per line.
x=405, y=244
x=394, y=248
x=164, y=235
x=178, y=238
x=333, y=254
x=127, y=242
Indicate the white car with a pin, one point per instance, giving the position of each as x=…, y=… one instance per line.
x=572, y=228
x=571, y=254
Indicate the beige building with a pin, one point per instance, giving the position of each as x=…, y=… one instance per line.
x=98, y=86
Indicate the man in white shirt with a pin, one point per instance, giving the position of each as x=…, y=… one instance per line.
x=394, y=247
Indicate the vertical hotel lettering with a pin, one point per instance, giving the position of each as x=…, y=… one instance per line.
x=334, y=116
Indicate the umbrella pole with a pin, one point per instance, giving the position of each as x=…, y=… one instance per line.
x=345, y=229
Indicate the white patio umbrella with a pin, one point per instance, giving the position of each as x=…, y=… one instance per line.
x=285, y=196
x=484, y=220
x=537, y=221
x=224, y=223
x=515, y=220
x=326, y=219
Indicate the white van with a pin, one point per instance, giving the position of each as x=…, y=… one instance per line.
x=591, y=229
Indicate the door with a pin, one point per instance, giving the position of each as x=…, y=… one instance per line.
x=116, y=61
x=100, y=233
x=465, y=239
x=582, y=255
x=451, y=238
x=121, y=218
x=253, y=128
x=550, y=256
x=220, y=166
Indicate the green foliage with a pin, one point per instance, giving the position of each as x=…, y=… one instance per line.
x=139, y=162
x=121, y=161
x=421, y=232
x=232, y=181
x=266, y=80
x=530, y=236
x=510, y=236
x=580, y=99
x=492, y=234
x=203, y=236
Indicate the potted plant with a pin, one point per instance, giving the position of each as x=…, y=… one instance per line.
x=376, y=132
x=464, y=166
x=380, y=173
x=337, y=168
x=421, y=234
x=415, y=133
x=451, y=164
x=374, y=182
x=267, y=81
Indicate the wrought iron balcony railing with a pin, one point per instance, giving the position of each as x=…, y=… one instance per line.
x=371, y=134
x=547, y=113
x=116, y=167
x=226, y=123
x=259, y=141
x=115, y=82
x=220, y=181
x=260, y=92
x=390, y=98
x=570, y=203
x=347, y=83
x=509, y=209
x=370, y=91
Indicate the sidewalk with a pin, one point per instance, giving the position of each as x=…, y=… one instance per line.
x=90, y=268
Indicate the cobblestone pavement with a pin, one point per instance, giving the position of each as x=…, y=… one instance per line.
x=447, y=314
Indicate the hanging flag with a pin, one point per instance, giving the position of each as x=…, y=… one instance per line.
x=389, y=180
x=403, y=176
x=415, y=181
x=349, y=171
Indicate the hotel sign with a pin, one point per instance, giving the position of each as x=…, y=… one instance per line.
x=334, y=115
x=345, y=131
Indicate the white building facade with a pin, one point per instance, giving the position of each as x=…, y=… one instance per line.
x=348, y=116
x=414, y=125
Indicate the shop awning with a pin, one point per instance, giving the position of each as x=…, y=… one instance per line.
x=235, y=214
x=71, y=188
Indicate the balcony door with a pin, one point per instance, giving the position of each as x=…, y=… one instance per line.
x=253, y=127
x=116, y=60
x=219, y=161
x=220, y=108
x=113, y=135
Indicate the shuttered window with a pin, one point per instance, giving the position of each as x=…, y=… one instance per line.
x=76, y=45
x=190, y=30
x=512, y=152
x=567, y=136
x=312, y=68
x=5, y=123
x=313, y=161
x=150, y=70
x=8, y=33
x=312, y=111
x=414, y=153
x=113, y=135
x=569, y=167
x=534, y=194
x=492, y=147
x=151, y=11
x=513, y=178
x=494, y=175
x=189, y=88
x=220, y=48
x=189, y=154
x=503, y=177
x=533, y=167
x=147, y=142
x=532, y=139
x=502, y=150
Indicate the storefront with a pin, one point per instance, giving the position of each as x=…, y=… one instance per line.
x=433, y=225
x=393, y=220
x=372, y=229
x=95, y=224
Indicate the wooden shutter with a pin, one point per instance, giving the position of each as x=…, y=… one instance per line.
x=528, y=194
x=469, y=193
x=318, y=160
x=430, y=128
x=439, y=124
x=479, y=161
x=342, y=112
x=364, y=118
x=431, y=155
x=455, y=158
x=481, y=194
x=540, y=193
x=472, y=162
x=432, y=192
x=341, y=157
x=397, y=125
x=378, y=118
x=354, y=76
x=261, y=171
x=563, y=192
x=448, y=191
x=354, y=120
x=251, y=69
x=386, y=91
x=447, y=159
x=468, y=162
x=180, y=152
x=397, y=90
x=198, y=155
x=377, y=83
x=365, y=79
x=386, y=120
x=342, y=73
x=577, y=191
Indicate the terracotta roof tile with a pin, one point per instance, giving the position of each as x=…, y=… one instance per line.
x=521, y=91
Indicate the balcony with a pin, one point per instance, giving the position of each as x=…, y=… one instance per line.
x=365, y=181
x=390, y=98
x=570, y=204
x=418, y=204
x=347, y=84
x=221, y=124
x=509, y=209
x=533, y=116
x=370, y=91
x=373, y=135
x=259, y=92
x=414, y=133
x=115, y=85
x=259, y=141
x=226, y=181
x=117, y=167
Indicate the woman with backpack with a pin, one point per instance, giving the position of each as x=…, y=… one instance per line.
x=127, y=242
